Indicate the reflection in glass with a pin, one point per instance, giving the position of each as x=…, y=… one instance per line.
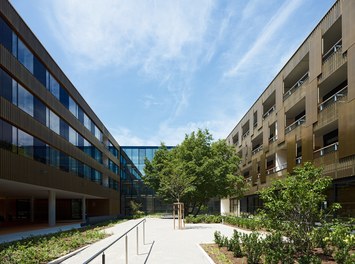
x=25, y=56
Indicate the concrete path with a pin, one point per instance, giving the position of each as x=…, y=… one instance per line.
x=162, y=244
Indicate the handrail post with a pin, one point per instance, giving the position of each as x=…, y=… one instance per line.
x=137, y=240
x=144, y=232
x=126, y=242
x=103, y=258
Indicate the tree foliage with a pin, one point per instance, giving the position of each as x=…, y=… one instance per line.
x=292, y=205
x=195, y=171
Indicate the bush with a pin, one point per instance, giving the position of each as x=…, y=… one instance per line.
x=234, y=245
x=220, y=240
x=276, y=250
x=343, y=242
x=252, y=246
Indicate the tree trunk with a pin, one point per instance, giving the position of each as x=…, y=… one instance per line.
x=198, y=209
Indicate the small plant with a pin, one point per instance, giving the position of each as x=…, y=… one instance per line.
x=309, y=259
x=234, y=245
x=344, y=242
x=136, y=212
x=252, y=246
x=276, y=250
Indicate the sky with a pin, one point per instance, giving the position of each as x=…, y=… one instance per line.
x=155, y=70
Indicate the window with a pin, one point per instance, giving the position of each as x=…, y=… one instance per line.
x=87, y=122
x=64, y=129
x=40, y=151
x=24, y=55
x=54, y=87
x=64, y=97
x=24, y=144
x=54, y=122
x=40, y=111
x=6, y=35
x=7, y=136
x=39, y=71
x=73, y=107
x=5, y=85
x=24, y=100
x=73, y=136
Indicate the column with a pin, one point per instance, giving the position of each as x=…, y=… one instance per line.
x=83, y=209
x=32, y=209
x=51, y=208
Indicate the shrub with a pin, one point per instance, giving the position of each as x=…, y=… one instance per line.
x=343, y=242
x=276, y=250
x=234, y=245
x=252, y=246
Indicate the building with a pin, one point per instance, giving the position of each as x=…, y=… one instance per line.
x=57, y=159
x=139, y=191
x=307, y=113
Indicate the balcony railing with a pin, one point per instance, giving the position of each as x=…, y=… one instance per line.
x=333, y=99
x=255, y=124
x=295, y=124
x=336, y=48
x=327, y=149
x=245, y=134
x=268, y=112
x=298, y=160
x=296, y=86
x=256, y=150
x=273, y=139
x=276, y=169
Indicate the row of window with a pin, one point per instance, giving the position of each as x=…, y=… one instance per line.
x=14, y=44
x=22, y=143
x=23, y=99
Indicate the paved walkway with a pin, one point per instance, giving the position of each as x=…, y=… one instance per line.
x=162, y=244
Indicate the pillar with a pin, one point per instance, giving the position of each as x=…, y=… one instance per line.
x=51, y=208
x=32, y=219
x=83, y=209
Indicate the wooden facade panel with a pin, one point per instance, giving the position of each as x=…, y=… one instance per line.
x=351, y=73
x=348, y=22
x=279, y=92
x=346, y=128
x=307, y=143
x=281, y=126
x=311, y=103
x=262, y=169
x=315, y=55
x=291, y=152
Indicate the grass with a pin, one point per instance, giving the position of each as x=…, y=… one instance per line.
x=43, y=249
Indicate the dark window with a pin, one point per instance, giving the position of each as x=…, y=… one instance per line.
x=39, y=71
x=81, y=115
x=5, y=35
x=39, y=111
x=39, y=151
x=64, y=97
x=330, y=138
x=6, y=135
x=64, y=129
x=5, y=85
x=64, y=162
x=80, y=169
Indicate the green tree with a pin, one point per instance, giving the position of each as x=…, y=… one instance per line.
x=292, y=205
x=195, y=171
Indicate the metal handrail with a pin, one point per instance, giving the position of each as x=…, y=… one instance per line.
x=276, y=169
x=323, y=150
x=296, y=85
x=295, y=124
x=256, y=150
x=343, y=92
x=245, y=134
x=273, y=139
x=102, y=251
x=336, y=47
x=299, y=160
x=268, y=112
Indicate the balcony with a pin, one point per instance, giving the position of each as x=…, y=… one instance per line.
x=273, y=139
x=295, y=124
x=333, y=99
x=256, y=150
x=268, y=112
x=298, y=84
x=326, y=150
x=298, y=160
x=245, y=134
x=332, y=60
x=276, y=169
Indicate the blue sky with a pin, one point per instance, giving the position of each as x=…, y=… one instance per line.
x=155, y=70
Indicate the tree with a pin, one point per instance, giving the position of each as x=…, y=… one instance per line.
x=195, y=171
x=292, y=205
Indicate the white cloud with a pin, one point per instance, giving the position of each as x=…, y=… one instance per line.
x=267, y=34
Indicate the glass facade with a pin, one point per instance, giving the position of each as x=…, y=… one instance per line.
x=19, y=50
x=140, y=153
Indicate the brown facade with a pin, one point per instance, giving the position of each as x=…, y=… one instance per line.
x=28, y=188
x=308, y=111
